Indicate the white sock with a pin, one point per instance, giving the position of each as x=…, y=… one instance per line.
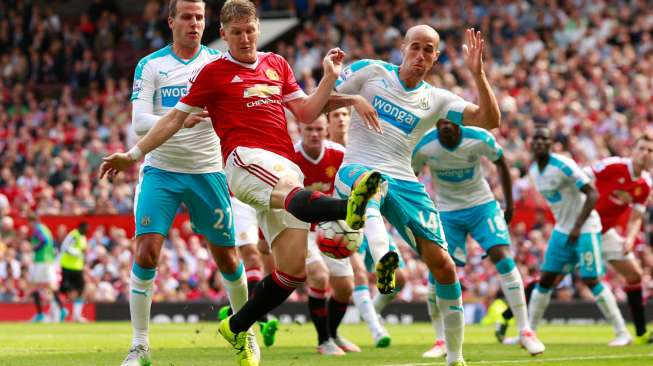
x=55, y=311
x=450, y=304
x=141, y=283
x=363, y=303
x=236, y=286
x=375, y=231
x=381, y=301
x=434, y=313
x=539, y=302
x=608, y=305
x=78, y=306
x=513, y=289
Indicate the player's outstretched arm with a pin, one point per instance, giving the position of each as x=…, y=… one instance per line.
x=308, y=108
x=506, y=186
x=590, y=201
x=486, y=114
x=143, y=118
x=167, y=126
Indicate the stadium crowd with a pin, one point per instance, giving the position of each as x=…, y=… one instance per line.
x=583, y=68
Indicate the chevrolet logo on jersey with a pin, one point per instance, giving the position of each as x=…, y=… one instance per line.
x=262, y=91
x=395, y=115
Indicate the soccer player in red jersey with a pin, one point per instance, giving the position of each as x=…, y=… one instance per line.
x=624, y=186
x=245, y=93
x=319, y=160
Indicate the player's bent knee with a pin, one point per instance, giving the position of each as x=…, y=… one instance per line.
x=281, y=190
x=634, y=278
x=148, y=248
x=263, y=247
x=316, y=274
x=591, y=282
x=343, y=288
x=548, y=279
x=226, y=258
x=251, y=255
x=499, y=252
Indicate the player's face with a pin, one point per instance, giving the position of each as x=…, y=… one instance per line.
x=420, y=53
x=242, y=36
x=314, y=133
x=188, y=24
x=449, y=132
x=339, y=121
x=643, y=153
x=541, y=142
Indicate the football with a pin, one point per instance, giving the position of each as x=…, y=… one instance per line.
x=337, y=240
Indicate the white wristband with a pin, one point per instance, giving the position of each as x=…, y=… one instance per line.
x=135, y=153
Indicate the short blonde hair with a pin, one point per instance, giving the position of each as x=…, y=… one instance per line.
x=235, y=10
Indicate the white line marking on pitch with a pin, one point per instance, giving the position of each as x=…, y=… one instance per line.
x=538, y=360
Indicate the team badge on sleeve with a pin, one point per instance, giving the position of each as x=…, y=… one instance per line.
x=138, y=86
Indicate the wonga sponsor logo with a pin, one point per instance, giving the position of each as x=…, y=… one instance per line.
x=455, y=175
x=170, y=95
x=395, y=115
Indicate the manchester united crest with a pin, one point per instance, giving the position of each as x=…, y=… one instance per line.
x=331, y=171
x=272, y=74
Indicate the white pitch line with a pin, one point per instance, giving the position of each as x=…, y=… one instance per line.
x=537, y=360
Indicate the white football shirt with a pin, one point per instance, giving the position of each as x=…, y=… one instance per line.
x=405, y=114
x=160, y=80
x=560, y=184
x=457, y=172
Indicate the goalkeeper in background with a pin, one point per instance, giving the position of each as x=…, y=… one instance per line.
x=71, y=260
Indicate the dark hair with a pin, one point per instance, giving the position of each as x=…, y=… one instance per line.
x=83, y=227
x=644, y=137
x=172, y=8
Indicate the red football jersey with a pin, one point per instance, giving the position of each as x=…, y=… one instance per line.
x=245, y=101
x=619, y=190
x=320, y=173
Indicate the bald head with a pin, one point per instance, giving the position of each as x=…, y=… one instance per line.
x=422, y=32
x=420, y=51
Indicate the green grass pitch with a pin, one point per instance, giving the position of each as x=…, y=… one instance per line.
x=99, y=344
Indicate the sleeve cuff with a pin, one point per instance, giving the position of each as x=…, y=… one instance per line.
x=295, y=95
x=499, y=154
x=187, y=108
x=581, y=182
x=639, y=208
x=455, y=111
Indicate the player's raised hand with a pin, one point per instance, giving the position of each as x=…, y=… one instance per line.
x=333, y=61
x=114, y=164
x=194, y=119
x=368, y=114
x=473, y=51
